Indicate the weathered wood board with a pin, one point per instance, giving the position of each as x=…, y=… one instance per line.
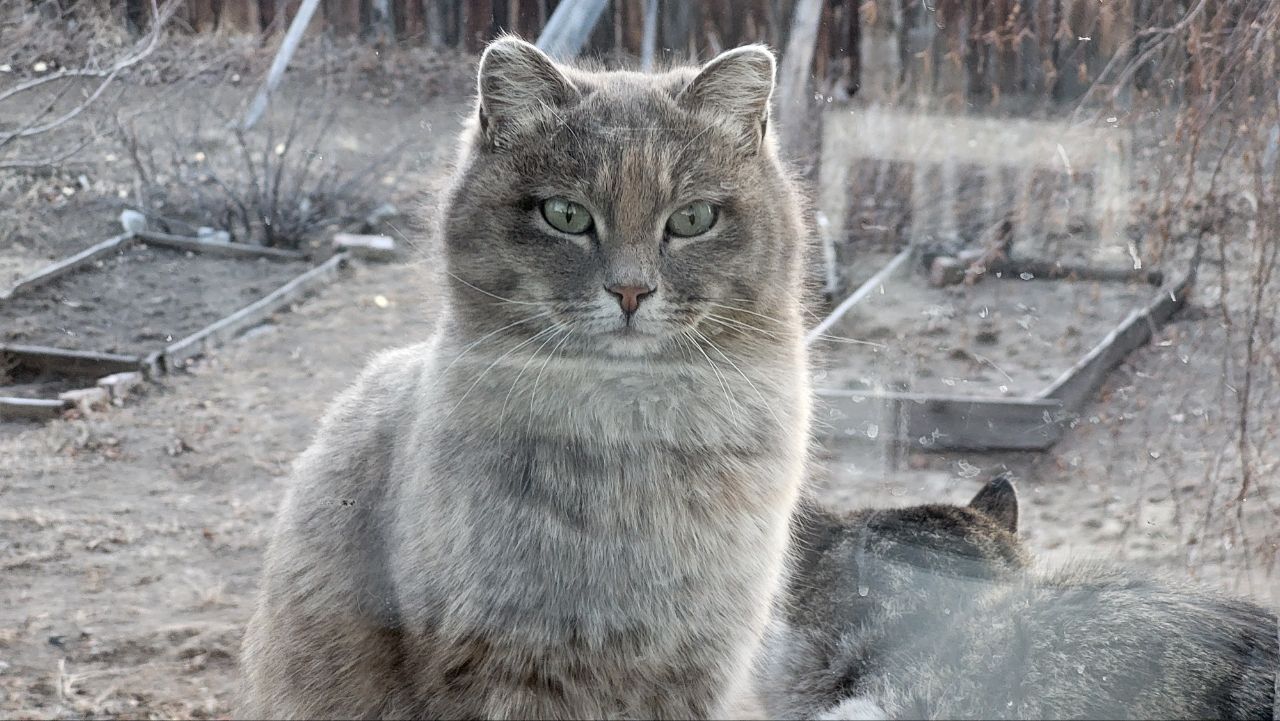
x=977, y=423
x=178, y=353
x=69, y=264
x=231, y=250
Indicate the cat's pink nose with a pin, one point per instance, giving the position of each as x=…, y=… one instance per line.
x=629, y=296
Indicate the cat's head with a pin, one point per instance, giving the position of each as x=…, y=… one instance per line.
x=627, y=212
x=868, y=561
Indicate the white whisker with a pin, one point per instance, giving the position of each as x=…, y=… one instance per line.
x=484, y=372
x=533, y=393
x=555, y=331
x=724, y=383
x=823, y=336
x=477, y=288
x=729, y=360
x=488, y=335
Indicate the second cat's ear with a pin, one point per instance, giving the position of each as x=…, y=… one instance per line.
x=734, y=88
x=999, y=501
x=519, y=86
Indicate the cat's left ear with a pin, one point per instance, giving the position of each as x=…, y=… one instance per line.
x=734, y=89
x=999, y=501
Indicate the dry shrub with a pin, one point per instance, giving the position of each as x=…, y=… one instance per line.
x=1212, y=191
x=278, y=185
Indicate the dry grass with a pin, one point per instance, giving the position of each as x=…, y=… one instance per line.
x=277, y=185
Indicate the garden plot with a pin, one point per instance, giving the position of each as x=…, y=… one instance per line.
x=1002, y=364
x=138, y=300
x=86, y=330
x=1001, y=338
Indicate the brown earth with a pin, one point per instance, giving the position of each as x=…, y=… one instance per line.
x=998, y=338
x=139, y=300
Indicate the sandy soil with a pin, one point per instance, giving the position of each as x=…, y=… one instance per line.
x=139, y=300
x=998, y=338
x=130, y=541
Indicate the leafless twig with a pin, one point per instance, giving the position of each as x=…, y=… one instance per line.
x=41, y=123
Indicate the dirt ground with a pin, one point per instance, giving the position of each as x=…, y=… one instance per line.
x=130, y=541
x=139, y=300
x=998, y=338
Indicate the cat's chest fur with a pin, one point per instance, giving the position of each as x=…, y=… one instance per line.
x=609, y=501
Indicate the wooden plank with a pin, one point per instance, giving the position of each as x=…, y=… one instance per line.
x=569, y=27
x=1079, y=383
x=679, y=22
x=240, y=16
x=255, y=313
x=649, y=39
x=234, y=250
x=70, y=264
x=941, y=422
x=79, y=363
x=799, y=117
x=436, y=20
x=898, y=264
x=31, y=409
x=1054, y=270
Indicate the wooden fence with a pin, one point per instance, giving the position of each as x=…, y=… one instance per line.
x=968, y=53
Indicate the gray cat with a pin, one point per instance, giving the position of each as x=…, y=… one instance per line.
x=932, y=612
x=573, y=501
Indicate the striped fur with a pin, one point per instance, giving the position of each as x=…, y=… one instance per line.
x=933, y=612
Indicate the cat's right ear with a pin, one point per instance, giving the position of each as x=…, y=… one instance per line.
x=518, y=86
x=998, y=500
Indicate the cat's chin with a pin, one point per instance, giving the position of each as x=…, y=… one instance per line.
x=630, y=343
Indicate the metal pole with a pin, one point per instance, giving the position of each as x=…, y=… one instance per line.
x=281, y=61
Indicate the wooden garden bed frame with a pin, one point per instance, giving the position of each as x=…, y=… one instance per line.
x=982, y=423
x=93, y=365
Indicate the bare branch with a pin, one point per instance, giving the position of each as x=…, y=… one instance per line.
x=140, y=51
x=31, y=163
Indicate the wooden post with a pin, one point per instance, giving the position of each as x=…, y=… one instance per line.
x=799, y=117
x=435, y=23
x=240, y=16
x=678, y=25
x=203, y=15
x=382, y=21
x=529, y=17
x=342, y=16
x=649, y=43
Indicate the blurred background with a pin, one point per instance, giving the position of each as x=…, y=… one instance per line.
x=1046, y=241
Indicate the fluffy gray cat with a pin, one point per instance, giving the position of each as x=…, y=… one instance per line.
x=932, y=612
x=573, y=501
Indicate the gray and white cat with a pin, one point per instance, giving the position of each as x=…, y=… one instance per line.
x=933, y=612
x=573, y=501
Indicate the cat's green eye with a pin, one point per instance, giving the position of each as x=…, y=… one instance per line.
x=566, y=216
x=693, y=219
